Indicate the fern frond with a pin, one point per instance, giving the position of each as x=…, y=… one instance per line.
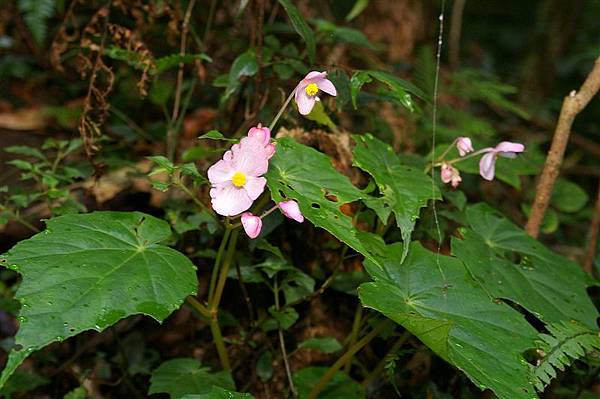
x=566, y=341
x=36, y=14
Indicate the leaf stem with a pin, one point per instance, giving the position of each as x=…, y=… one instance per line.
x=330, y=373
x=196, y=304
x=215, y=271
x=282, y=342
x=283, y=107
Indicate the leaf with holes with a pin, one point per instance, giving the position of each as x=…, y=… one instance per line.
x=404, y=189
x=88, y=271
x=516, y=267
x=434, y=297
x=304, y=174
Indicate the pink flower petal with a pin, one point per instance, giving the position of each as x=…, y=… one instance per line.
x=507, y=146
x=327, y=87
x=251, y=224
x=291, y=210
x=230, y=200
x=220, y=172
x=313, y=76
x=250, y=159
x=255, y=186
x=487, y=166
x=270, y=150
x=464, y=145
x=305, y=103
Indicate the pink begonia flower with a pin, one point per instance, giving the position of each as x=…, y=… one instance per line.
x=307, y=91
x=464, y=145
x=291, y=210
x=450, y=174
x=237, y=178
x=487, y=163
x=251, y=224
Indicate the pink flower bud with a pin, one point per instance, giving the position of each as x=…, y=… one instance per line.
x=464, y=146
x=252, y=224
x=291, y=210
x=446, y=173
x=261, y=134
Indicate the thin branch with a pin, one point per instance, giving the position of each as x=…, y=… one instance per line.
x=593, y=240
x=175, y=115
x=573, y=104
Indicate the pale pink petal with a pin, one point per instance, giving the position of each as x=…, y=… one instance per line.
x=255, y=186
x=313, y=76
x=464, y=145
x=327, y=87
x=305, y=103
x=487, y=166
x=507, y=146
x=251, y=224
x=250, y=160
x=270, y=150
x=446, y=173
x=291, y=210
x=261, y=134
x=230, y=200
x=456, y=179
x=228, y=155
x=220, y=172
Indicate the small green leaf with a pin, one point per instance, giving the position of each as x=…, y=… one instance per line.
x=216, y=135
x=319, y=115
x=301, y=27
x=164, y=63
x=246, y=64
x=568, y=196
x=324, y=344
x=342, y=34
x=340, y=386
x=20, y=164
x=286, y=317
x=88, y=271
x=77, y=393
x=25, y=150
x=36, y=14
x=264, y=366
x=358, y=7
x=399, y=89
x=185, y=376
x=404, y=189
x=163, y=163
x=219, y=393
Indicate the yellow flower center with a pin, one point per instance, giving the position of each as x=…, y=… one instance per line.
x=312, y=89
x=238, y=179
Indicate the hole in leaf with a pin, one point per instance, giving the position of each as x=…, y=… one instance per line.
x=315, y=205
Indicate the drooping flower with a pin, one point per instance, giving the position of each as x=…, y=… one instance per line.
x=237, y=178
x=464, y=146
x=450, y=174
x=487, y=163
x=307, y=91
x=252, y=224
x=291, y=210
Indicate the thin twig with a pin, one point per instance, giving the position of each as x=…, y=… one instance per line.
x=593, y=240
x=175, y=115
x=572, y=105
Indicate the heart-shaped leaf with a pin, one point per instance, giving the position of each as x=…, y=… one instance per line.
x=434, y=297
x=88, y=271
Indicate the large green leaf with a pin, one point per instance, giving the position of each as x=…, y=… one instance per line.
x=186, y=377
x=514, y=266
x=301, y=27
x=435, y=298
x=88, y=271
x=340, y=386
x=304, y=174
x=404, y=189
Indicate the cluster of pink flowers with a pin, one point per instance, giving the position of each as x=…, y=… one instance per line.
x=237, y=180
x=487, y=163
